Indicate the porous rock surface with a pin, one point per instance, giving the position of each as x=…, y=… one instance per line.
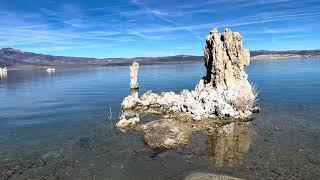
x=224, y=91
x=134, y=69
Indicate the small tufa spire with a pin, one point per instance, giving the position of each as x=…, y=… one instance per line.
x=134, y=69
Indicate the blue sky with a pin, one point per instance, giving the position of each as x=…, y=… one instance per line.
x=117, y=28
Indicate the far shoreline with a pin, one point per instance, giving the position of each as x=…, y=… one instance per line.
x=282, y=56
x=272, y=57
x=15, y=59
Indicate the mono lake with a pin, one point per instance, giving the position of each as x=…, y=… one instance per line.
x=62, y=125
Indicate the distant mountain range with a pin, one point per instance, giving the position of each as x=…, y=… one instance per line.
x=13, y=58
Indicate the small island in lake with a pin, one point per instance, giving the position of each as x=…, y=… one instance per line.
x=223, y=95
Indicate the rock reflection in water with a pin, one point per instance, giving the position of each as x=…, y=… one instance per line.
x=228, y=139
x=3, y=75
x=227, y=145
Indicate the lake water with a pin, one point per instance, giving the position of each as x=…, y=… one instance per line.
x=61, y=126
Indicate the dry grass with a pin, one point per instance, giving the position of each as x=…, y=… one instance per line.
x=246, y=101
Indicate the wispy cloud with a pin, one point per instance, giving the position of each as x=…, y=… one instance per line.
x=145, y=36
x=278, y=30
x=235, y=23
x=161, y=15
x=63, y=26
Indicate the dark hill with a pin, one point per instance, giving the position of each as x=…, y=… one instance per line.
x=15, y=58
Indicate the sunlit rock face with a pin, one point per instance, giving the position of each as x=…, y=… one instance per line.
x=225, y=59
x=223, y=92
x=134, y=69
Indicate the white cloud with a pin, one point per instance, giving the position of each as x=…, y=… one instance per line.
x=69, y=25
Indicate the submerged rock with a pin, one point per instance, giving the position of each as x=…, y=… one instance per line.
x=226, y=139
x=223, y=92
x=127, y=122
x=209, y=176
x=83, y=142
x=134, y=68
x=166, y=133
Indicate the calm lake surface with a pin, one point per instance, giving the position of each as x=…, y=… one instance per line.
x=61, y=126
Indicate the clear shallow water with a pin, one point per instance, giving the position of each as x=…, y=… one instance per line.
x=60, y=126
